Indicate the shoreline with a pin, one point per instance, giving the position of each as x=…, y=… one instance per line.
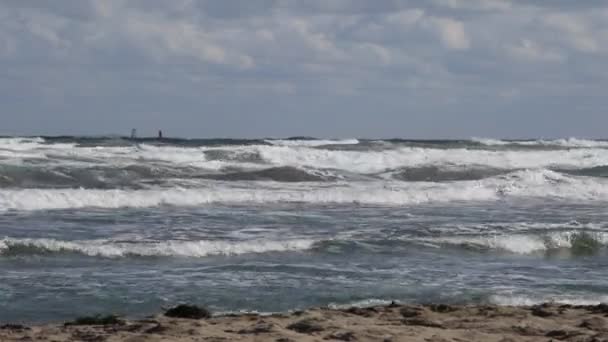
x=393, y=322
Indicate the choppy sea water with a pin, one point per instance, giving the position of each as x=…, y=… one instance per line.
x=113, y=225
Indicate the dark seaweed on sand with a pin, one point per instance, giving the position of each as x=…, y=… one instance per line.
x=188, y=311
x=97, y=320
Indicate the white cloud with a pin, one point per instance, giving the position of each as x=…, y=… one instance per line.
x=178, y=38
x=392, y=51
x=314, y=40
x=406, y=18
x=105, y=8
x=46, y=29
x=575, y=30
x=531, y=51
x=165, y=38
x=381, y=53
x=452, y=33
x=265, y=34
x=475, y=4
x=7, y=45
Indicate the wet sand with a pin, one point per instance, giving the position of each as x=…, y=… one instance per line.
x=430, y=323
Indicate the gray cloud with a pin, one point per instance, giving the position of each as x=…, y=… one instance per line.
x=450, y=68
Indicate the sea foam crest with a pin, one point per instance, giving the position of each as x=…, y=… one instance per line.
x=526, y=184
x=567, y=142
x=20, y=144
x=380, y=161
x=490, y=141
x=106, y=248
x=298, y=156
x=528, y=244
x=528, y=300
x=311, y=142
x=20, y=140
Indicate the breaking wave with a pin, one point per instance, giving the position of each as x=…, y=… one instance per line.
x=366, y=162
x=528, y=300
x=105, y=248
x=569, y=142
x=521, y=184
x=598, y=171
x=569, y=242
x=141, y=176
x=443, y=174
x=278, y=174
x=22, y=142
x=362, y=160
x=576, y=242
x=311, y=142
x=559, y=243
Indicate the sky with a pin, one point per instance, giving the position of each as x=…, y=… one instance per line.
x=325, y=68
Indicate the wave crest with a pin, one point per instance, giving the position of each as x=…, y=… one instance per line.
x=577, y=242
x=443, y=174
x=105, y=248
x=524, y=300
x=522, y=184
x=311, y=142
x=568, y=142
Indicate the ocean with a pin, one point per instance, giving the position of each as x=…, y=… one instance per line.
x=130, y=226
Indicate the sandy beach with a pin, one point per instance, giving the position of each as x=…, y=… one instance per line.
x=431, y=323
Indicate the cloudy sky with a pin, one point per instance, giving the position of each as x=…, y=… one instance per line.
x=332, y=68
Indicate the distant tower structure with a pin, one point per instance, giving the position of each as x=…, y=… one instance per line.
x=160, y=134
x=133, y=133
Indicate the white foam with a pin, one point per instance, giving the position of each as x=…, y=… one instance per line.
x=188, y=156
x=15, y=148
x=297, y=155
x=379, y=161
x=568, y=142
x=490, y=141
x=69, y=154
x=26, y=144
x=517, y=227
x=365, y=303
x=201, y=248
x=20, y=142
x=522, y=300
x=574, y=142
x=41, y=199
x=312, y=143
x=522, y=184
x=550, y=184
x=515, y=244
x=524, y=244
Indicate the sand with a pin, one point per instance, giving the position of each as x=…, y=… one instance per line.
x=431, y=323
